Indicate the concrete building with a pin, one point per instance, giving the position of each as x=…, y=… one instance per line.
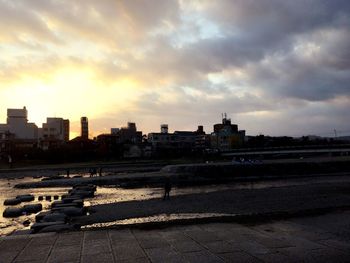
x=164, y=128
x=122, y=141
x=130, y=134
x=17, y=123
x=53, y=133
x=17, y=135
x=84, y=128
x=56, y=128
x=226, y=136
x=5, y=141
x=115, y=130
x=181, y=140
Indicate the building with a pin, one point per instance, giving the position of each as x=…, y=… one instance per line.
x=17, y=124
x=114, y=130
x=53, y=133
x=84, y=128
x=55, y=128
x=17, y=135
x=6, y=139
x=179, y=140
x=123, y=141
x=226, y=135
x=164, y=128
x=130, y=134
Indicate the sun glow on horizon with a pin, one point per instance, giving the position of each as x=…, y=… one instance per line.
x=69, y=93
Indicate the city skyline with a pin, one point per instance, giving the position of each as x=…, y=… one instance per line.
x=160, y=129
x=275, y=67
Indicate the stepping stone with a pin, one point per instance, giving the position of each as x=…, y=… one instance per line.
x=53, y=204
x=25, y=198
x=70, y=211
x=55, y=217
x=79, y=202
x=12, y=212
x=70, y=199
x=65, y=205
x=41, y=215
x=38, y=226
x=31, y=209
x=58, y=228
x=83, y=194
x=85, y=188
x=13, y=201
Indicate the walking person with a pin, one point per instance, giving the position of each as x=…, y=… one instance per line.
x=167, y=188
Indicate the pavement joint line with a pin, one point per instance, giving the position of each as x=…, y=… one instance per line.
x=205, y=248
x=110, y=246
x=51, y=248
x=82, y=247
x=20, y=252
x=138, y=242
x=246, y=252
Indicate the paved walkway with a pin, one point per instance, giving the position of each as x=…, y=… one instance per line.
x=324, y=238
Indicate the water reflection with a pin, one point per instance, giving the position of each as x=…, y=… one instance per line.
x=112, y=194
x=152, y=219
x=9, y=225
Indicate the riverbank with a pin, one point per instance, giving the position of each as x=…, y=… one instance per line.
x=256, y=204
x=206, y=173
x=81, y=169
x=172, y=166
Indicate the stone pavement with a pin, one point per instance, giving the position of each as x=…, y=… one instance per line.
x=324, y=238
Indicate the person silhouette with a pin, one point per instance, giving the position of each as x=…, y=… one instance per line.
x=167, y=188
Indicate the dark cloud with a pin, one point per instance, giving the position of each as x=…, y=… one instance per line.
x=274, y=60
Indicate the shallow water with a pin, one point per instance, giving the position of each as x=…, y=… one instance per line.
x=151, y=219
x=112, y=194
x=9, y=225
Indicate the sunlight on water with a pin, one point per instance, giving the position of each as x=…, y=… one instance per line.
x=113, y=194
x=152, y=219
x=9, y=225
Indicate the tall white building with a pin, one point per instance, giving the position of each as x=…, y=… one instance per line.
x=17, y=124
x=55, y=128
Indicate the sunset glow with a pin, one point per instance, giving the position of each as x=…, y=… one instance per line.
x=178, y=62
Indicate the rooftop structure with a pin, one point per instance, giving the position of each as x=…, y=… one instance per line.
x=226, y=135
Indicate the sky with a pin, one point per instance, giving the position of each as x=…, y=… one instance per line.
x=275, y=67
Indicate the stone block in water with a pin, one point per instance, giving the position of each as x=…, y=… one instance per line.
x=12, y=212
x=58, y=228
x=31, y=209
x=70, y=211
x=38, y=226
x=25, y=198
x=12, y=201
x=55, y=217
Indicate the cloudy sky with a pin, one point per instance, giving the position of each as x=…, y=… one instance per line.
x=275, y=67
